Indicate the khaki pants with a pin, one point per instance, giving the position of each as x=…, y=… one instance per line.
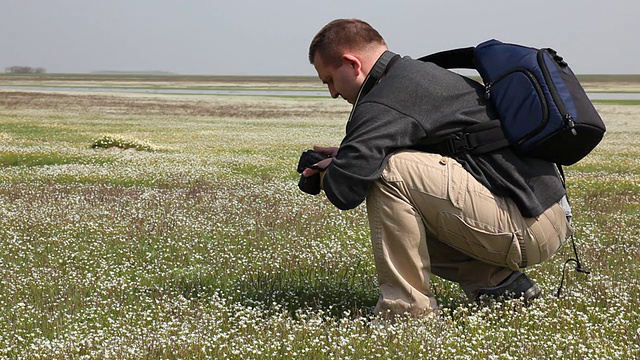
x=428, y=215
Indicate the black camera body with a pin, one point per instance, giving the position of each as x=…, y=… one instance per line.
x=311, y=184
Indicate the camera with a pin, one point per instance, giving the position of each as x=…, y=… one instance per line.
x=311, y=184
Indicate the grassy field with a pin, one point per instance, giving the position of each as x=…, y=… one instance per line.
x=199, y=244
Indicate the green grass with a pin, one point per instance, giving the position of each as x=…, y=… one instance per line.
x=205, y=248
x=18, y=159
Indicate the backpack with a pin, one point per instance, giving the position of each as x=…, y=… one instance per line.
x=543, y=110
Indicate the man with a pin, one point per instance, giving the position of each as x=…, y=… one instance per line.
x=472, y=219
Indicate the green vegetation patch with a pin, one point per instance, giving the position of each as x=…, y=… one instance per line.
x=120, y=142
x=8, y=159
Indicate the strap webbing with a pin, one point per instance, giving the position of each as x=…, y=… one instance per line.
x=452, y=59
x=377, y=72
x=476, y=139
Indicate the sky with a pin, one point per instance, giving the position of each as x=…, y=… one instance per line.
x=271, y=37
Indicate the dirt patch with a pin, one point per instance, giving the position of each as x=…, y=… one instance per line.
x=624, y=118
x=213, y=106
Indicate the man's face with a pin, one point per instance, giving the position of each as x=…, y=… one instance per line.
x=344, y=81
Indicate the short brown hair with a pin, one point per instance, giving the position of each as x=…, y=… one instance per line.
x=340, y=35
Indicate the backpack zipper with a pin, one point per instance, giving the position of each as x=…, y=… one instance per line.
x=536, y=85
x=554, y=92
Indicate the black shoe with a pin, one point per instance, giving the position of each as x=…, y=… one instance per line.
x=515, y=286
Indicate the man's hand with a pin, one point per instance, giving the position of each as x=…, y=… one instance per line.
x=330, y=151
x=321, y=165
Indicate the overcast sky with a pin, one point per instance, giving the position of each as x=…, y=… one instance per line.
x=271, y=37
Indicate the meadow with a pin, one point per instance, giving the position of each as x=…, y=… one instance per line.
x=170, y=227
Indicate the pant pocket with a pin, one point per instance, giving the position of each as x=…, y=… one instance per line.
x=480, y=241
x=457, y=182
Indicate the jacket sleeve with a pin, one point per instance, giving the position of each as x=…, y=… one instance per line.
x=374, y=132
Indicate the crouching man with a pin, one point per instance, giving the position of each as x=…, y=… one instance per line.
x=473, y=219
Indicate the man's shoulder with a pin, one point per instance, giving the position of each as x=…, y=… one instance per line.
x=413, y=79
x=407, y=63
x=408, y=72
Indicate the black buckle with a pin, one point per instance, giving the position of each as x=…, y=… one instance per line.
x=458, y=143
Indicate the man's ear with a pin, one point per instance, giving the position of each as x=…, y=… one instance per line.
x=352, y=61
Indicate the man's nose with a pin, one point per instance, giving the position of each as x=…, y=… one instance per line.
x=333, y=92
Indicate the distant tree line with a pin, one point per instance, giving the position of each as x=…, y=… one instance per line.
x=25, y=70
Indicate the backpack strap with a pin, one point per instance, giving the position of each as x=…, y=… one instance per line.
x=462, y=58
x=475, y=139
x=379, y=69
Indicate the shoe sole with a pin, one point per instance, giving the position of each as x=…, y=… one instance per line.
x=532, y=293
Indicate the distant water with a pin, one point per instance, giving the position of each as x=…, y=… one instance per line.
x=592, y=96
x=614, y=96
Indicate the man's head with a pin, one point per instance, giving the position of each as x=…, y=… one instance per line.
x=343, y=53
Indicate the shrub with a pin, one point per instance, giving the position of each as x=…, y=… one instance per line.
x=112, y=141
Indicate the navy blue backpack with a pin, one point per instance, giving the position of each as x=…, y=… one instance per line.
x=543, y=110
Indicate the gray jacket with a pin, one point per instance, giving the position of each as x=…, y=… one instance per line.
x=414, y=103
